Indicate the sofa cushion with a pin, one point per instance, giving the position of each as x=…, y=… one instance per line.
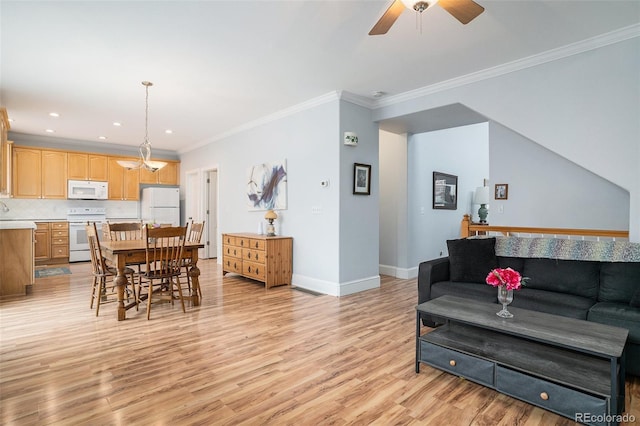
x=515, y=263
x=481, y=293
x=618, y=315
x=471, y=260
x=635, y=300
x=579, y=278
x=618, y=281
x=566, y=305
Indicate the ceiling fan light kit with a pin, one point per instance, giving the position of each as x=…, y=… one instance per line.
x=145, y=161
x=463, y=10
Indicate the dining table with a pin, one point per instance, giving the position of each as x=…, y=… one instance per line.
x=133, y=252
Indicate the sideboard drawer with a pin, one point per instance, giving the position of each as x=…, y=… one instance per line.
x=232, y=264
x=476, y=369
x=548, y=395
x=232, y=251
x=254, y=270
x=253, y=255
x=257, y=244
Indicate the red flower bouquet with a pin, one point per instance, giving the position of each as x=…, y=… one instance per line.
x=506, y=277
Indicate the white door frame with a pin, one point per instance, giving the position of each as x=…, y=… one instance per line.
x=204, y=197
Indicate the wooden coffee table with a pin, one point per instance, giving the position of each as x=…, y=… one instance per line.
x=572, y=367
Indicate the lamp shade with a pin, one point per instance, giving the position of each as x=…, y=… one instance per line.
x=270, y=215
x=481, y=195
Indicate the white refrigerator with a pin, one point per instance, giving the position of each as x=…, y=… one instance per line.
x=160, y=205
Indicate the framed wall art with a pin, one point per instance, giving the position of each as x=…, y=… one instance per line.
x=267, y=186
x=501, y=191
x=445, y=191
x=361, y=179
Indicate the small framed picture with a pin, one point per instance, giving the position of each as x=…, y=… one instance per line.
x=445, y=191
x=361, y=179
x=501, y=191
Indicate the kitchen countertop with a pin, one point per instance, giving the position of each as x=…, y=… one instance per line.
x=17, y=224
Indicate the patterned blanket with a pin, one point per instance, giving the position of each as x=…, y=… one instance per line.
x=557, y=248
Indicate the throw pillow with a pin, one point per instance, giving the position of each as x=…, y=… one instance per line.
x=470, y=260
x=635, y=300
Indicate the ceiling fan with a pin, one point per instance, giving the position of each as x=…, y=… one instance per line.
x=463, y=10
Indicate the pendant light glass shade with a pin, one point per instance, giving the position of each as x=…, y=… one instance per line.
x=145, y=161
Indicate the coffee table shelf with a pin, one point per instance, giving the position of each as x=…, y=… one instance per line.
x=564, y=365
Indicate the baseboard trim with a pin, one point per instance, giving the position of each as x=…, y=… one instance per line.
x=333, y=288
x=402, y=273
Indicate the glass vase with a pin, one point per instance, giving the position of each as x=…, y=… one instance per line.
x=505, y=297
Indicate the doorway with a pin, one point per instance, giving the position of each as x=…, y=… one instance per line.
x=211, y=213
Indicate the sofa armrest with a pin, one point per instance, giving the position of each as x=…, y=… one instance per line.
x=429, y=272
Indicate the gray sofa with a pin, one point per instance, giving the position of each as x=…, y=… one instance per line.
x=600, y=291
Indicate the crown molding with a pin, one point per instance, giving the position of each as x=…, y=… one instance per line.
x=311, y=103
x=612, y=37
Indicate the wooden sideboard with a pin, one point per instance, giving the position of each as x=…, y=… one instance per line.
x=261, y=258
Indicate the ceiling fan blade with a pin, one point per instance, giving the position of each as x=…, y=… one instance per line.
x=389, y=17
x=464, y=11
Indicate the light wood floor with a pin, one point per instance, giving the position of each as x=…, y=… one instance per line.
x=245, y=356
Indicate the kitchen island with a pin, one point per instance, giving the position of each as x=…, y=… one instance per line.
x=17, y=267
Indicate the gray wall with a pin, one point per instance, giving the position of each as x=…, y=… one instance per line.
x=335, y=244
x=583, y=106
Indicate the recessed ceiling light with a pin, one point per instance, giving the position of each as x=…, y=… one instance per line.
x=378, y=94
x=115, y=123
x=168, y=131
x=102, y=138
x=49, y=130
x=54, y=114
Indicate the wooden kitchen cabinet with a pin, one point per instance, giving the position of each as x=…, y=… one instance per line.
x=59, y=241
x=54, y=176
x=27, y=173
x=5, y=152
x=123, y=184
x=51, y=242
x=262, y=258
x=168, y=175
x=83, y=166
x=39, y=173
x=17, y=274
x=42, y=250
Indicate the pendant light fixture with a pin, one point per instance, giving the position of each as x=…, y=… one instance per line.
x=145, y=147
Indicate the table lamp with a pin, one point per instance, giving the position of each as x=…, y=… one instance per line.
x=271, y=216
x=482, y=197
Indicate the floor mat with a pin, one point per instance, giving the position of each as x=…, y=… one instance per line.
x=50, y=272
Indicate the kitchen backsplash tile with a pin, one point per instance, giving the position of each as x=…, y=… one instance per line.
x=30, y=209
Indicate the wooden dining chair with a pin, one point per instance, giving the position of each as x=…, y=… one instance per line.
x=125, y=231
x=194, y=235
x=101, y=271
x=164, y=247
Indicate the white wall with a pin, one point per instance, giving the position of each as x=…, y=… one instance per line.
x=584, y=107
x=394, y=221
x=335, y=241
x=461, y=151
x=545, y=187
x=359, y=214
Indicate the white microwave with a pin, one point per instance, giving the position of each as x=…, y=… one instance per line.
x=87, y=190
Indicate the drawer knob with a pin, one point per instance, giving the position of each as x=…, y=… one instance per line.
x=452, y=363
x=249, y=255
x=544, y=396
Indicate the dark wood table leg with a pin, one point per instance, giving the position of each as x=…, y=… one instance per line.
x=194, y=273
x=121, y=284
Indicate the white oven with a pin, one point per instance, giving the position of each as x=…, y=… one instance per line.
x=78, y=218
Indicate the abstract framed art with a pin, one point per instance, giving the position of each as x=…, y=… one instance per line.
x=267, y=186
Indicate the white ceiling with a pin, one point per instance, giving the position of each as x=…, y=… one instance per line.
x=217, y=65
